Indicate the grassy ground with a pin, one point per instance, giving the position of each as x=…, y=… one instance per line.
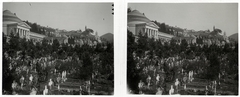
x=197, y=87
x=98, y=87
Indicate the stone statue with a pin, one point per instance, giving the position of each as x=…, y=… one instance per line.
x=157, y=79
x=140, y=85
x=22, y=81
x=45, y=91
x=159, y=91
x=50, y=83
x=177, y=84
x=149, y=80
x=171, y=91
x=80, y=90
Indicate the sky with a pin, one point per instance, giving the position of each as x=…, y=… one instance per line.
x=68, y=16
x=196, y=16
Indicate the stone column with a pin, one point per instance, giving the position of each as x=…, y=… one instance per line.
x=155, y=33
x=151, y=32
x=148, y=32
x=145, y=30
x=25, y=33
x=20, y=33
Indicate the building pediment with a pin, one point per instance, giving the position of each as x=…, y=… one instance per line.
x=23, y=24
x=152, y=24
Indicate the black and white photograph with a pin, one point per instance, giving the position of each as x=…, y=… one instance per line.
x=57, y=48
x=182, y=48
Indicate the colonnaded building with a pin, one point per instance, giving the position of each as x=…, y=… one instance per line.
x=12, y=24
x=138, y=22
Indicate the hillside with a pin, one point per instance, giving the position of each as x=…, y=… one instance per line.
x=234, y=37
x=108, y=37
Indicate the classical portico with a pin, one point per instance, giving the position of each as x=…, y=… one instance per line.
x=22, y=29
x=150, y=28
x=13, y=24
x=139, y=23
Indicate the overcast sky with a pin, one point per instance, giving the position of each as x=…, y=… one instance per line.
x=68, y=16
x=197, y=16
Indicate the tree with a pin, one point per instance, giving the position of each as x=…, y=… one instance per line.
x=106, y=62
x=214, y=68
x=232, y=66
x=34, y=28
x=71, y=40
x=142, y=43
x=87, y=69
x=174, y=47
x=32, y=49
x=14, y=45
x=7, y=76
x=152, y=43
x=24, y=48
x=60, y=53
x=131, y=45
x=38, y=48
x=236, y=47
x=132, y=73
x=46, y=47
x=55, y=45
x=152, y=47
x=129, y=10
x=99, y=48
x=159, y=48
x=184, y=44
x=42, y=31
x=65, y=47
x=199, y=40
x=162, y=28
x=109, y=47
x=226, y=48
x=5, y=44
